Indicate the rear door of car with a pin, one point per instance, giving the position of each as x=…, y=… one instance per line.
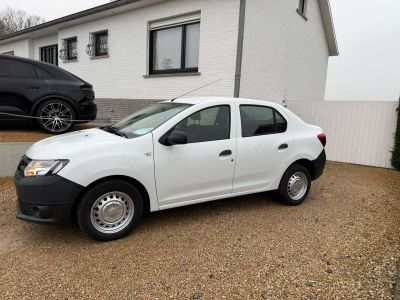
x=263, y=146
x=20, y=86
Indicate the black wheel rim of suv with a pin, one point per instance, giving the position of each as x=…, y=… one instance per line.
x=56, y=117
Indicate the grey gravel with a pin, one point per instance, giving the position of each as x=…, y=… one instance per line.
x=253, y=246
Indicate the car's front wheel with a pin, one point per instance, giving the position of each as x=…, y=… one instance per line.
x=295, y=185
x=110, y=210
x=55, y=116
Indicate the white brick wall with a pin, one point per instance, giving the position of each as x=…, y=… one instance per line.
x=121, y=75
x=284, y=56
x=20, y=48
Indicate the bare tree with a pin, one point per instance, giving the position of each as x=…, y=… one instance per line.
x=12, y=20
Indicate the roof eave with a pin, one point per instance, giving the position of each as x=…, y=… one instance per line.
x=329, y=27
x=84, y=13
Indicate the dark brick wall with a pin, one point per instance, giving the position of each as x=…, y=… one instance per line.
x=113, y=110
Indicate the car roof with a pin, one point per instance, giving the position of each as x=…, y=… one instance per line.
x=23, y=59
x=55, y=71
x=212, y=99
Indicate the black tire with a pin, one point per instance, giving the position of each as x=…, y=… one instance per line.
x=86, y=209
x=62, y=124
x=284, y=190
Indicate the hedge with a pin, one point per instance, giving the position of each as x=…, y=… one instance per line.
x=396, y=148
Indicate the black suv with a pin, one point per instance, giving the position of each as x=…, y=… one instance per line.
x=52, y=95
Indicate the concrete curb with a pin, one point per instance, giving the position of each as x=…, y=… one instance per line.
x=10, y=153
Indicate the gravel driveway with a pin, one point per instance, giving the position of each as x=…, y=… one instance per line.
x=343, y=242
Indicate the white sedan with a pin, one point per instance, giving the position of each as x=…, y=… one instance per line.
x=171, y=154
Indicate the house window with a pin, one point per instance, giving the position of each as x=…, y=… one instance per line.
x=302, y=10
x=98, y=44
x=101, y=43
x=48, y=54
x=175, y=49
x=72, y=52
x=69, y=49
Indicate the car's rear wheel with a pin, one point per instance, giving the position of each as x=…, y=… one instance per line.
x=55, y=116
x=295, y=185
x=110, y=210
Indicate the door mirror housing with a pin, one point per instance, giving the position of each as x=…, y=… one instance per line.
x=176, y=137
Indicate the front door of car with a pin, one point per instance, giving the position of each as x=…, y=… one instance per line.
x=263, y=147
x=20, y=86
x=201, y=168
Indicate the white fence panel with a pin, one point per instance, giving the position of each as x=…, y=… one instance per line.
x=359, y=132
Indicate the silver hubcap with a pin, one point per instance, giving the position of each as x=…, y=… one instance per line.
x=112, y=212
x=56, y=117
x=297, y=186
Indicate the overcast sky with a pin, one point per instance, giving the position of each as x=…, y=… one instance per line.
x=368, y=33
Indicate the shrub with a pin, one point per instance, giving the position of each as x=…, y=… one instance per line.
x=396, y=149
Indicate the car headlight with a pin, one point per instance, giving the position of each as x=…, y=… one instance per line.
x=44, y=167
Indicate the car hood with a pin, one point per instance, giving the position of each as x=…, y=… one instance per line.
x=63, y=146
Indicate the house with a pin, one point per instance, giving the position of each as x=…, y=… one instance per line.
x=137, y=51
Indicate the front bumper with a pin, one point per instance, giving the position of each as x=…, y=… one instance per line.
x=45, y=199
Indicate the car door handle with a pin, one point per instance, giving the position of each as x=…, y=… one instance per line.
x=33, y=87
x=225, y=153
x=283, y=146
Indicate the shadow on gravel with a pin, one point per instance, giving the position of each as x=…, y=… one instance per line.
x=175, y=217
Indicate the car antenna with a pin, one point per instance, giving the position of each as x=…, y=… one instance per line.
x=173, y=99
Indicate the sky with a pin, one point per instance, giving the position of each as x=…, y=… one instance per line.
x=368, y=67
x=368, y=34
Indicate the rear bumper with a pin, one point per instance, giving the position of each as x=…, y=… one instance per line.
x=88, y=112
x=319, y=165
x=45, y=199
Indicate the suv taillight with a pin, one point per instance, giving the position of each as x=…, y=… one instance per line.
x=86, y=88
x=322, y=138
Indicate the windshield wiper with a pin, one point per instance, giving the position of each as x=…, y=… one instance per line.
x=114, y=131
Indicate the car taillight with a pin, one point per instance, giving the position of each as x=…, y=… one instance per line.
x=86, y=88
x=322, y=138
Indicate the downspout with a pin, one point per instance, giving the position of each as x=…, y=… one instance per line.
x=239, y=50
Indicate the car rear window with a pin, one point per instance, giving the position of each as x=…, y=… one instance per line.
x=43, y=74
x=17, y=69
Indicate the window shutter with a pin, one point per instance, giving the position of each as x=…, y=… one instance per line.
x=173, y=21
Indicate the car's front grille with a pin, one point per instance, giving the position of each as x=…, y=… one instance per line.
x=24, y=161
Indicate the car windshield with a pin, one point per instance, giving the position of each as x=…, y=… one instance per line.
x=147, y=119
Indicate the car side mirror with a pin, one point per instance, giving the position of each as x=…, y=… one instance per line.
x=176, y=137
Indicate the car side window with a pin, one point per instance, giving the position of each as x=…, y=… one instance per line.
x=261, y=120
x=281, y=124
x=210, y=124
x=17, y=69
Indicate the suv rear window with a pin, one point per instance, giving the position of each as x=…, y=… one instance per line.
x=43, y=74
x=261, y=120
x=17, y=69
